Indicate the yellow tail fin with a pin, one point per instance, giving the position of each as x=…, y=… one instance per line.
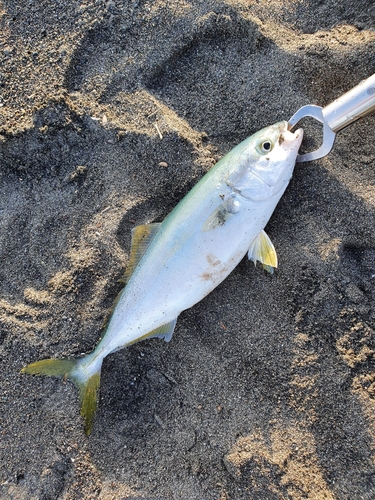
x=88, y=384
x=89, y=395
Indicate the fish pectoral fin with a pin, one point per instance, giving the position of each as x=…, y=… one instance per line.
x=141, y=239
x=262, y=249
x=222, y=214
x=164, y=331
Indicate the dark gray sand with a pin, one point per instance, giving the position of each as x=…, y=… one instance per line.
x=109, y=113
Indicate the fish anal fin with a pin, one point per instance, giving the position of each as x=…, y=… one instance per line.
x=164, y=332
x=262, y=250
x=141, y=239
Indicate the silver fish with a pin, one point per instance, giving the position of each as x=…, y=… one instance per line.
x=173, y=265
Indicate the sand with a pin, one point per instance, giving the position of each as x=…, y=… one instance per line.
x=109, y=113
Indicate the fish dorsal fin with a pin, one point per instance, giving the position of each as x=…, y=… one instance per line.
x=141, y=239
x=262, y=249
x=164, y=332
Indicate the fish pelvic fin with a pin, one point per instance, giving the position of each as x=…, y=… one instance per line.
x=79, y=371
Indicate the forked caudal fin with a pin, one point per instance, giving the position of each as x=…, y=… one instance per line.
x=77, y=370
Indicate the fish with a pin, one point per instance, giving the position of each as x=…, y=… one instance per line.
x=176, y=263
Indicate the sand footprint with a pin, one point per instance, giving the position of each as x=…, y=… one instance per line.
x=187, y=76
x=288, y=454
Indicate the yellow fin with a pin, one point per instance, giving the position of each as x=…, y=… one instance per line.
x=262, y=249
x=164, y=332
x=141, y=239
x=50, y=367
x=88, y=394
x=70, y=368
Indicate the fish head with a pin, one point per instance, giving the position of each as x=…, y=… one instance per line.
x=266, y=162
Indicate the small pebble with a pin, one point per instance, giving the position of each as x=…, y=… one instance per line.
x=159, y=421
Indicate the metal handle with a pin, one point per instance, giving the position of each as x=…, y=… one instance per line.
x=356, y=103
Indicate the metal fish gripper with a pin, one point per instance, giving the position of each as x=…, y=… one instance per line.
x=354, y=104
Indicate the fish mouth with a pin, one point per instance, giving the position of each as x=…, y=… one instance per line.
x=290, y=140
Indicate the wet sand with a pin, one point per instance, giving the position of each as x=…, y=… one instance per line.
x=109, y=113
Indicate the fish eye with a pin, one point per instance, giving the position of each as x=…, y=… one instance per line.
x=265, y=147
